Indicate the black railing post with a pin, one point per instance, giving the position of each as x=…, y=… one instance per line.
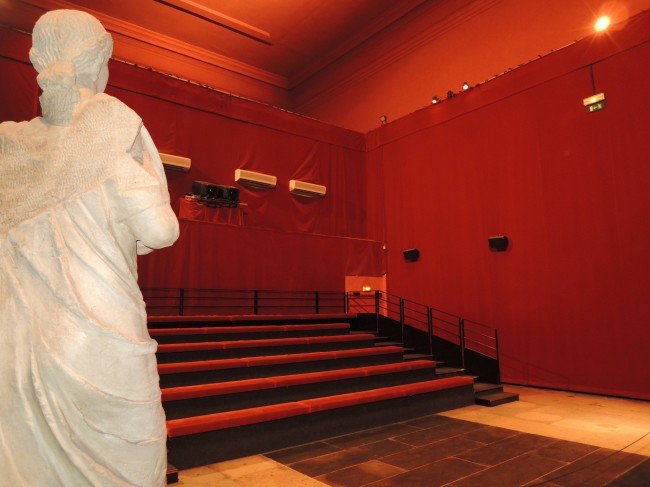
x=377, y=298
x=346, y=302
x=430, y=329
x=461, y=334
x=317, y=302
x=496, y=348
x=401, y=317
x=256, y=302
x=181, y=301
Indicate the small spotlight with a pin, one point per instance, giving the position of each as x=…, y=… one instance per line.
x=435, y=100
x=450, y=94
x=465, y=85
x=383, y=119
x=366, y=289
x=602, y=23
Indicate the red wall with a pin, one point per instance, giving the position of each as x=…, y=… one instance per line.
x=521, y=156
x=518, y=155
x=276, y=240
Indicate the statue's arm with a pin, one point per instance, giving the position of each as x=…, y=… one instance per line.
x=156, y=226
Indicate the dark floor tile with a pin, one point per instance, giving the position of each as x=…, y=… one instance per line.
x=330, y=463
x=515, y=472
x=361, y=474
x=430, y=421
x=302, y=452
x=490, y=434
x=598, y=468
x=432, y=475
x=383, y=448
x=417, y=457
x=566, y=451
x=371, y=435
x=506, y=449
x=636, y=477
x=446, y=430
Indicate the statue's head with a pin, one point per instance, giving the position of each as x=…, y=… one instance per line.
x=70, y=51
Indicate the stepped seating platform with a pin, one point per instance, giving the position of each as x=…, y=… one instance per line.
x=174, y=352
x=236, y=387
x=212, y=333
x=232, y=434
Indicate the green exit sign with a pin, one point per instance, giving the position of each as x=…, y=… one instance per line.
x=596, y=106
x=595, y=102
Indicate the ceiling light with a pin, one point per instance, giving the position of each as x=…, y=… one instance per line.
x=602, y=23
x=466, y=85
x=450, y=94
x=383, y=119
x=435, y=100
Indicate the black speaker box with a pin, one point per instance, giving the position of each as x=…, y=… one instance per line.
x=411, y=255
x=216, y=194
x=498, y=243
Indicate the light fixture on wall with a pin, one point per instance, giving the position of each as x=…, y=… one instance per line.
x=450, y=94
x=383, y=119
x=311, y=190
x=176, y=163
x=435, y=100
x=255, y=179
x=602, y=23
x=465, y=86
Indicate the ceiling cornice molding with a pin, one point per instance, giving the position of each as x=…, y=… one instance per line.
x=392, y=50
x=398, y=10
x=219, y=18
x=153, y=38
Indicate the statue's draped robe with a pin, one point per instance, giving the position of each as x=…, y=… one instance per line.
x=79, y=392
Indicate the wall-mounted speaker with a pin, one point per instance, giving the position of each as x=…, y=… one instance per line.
x=498, y=243
x=411, y=255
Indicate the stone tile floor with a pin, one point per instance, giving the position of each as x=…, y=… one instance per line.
x=549, y=438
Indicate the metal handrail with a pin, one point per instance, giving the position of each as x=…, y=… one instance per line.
x=462, y=330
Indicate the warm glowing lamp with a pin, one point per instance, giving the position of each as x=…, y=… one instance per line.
x=366, y=289
x=602, y=23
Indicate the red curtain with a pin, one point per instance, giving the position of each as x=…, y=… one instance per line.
x=521, y=156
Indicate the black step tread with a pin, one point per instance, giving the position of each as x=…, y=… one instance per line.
x=210, y=398
x=418, y=356
x=496, y=398
x=194, y=351
x=230, y=363
x=487, y=388
x=223, y=344
x=230, y=419
x=219, y=370
x=171, y=393
x=449, y=371
x=197, y=320
x=230, y=329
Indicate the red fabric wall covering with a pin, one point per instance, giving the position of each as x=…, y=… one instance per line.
x=316, y=241
x=314, y=244
x=520, y=156
x=219, y=256
x=569, y=188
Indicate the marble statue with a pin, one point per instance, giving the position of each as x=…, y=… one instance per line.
x=82, y=192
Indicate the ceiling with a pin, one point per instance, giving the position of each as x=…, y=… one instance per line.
x=280, y=41
x=344, y=62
